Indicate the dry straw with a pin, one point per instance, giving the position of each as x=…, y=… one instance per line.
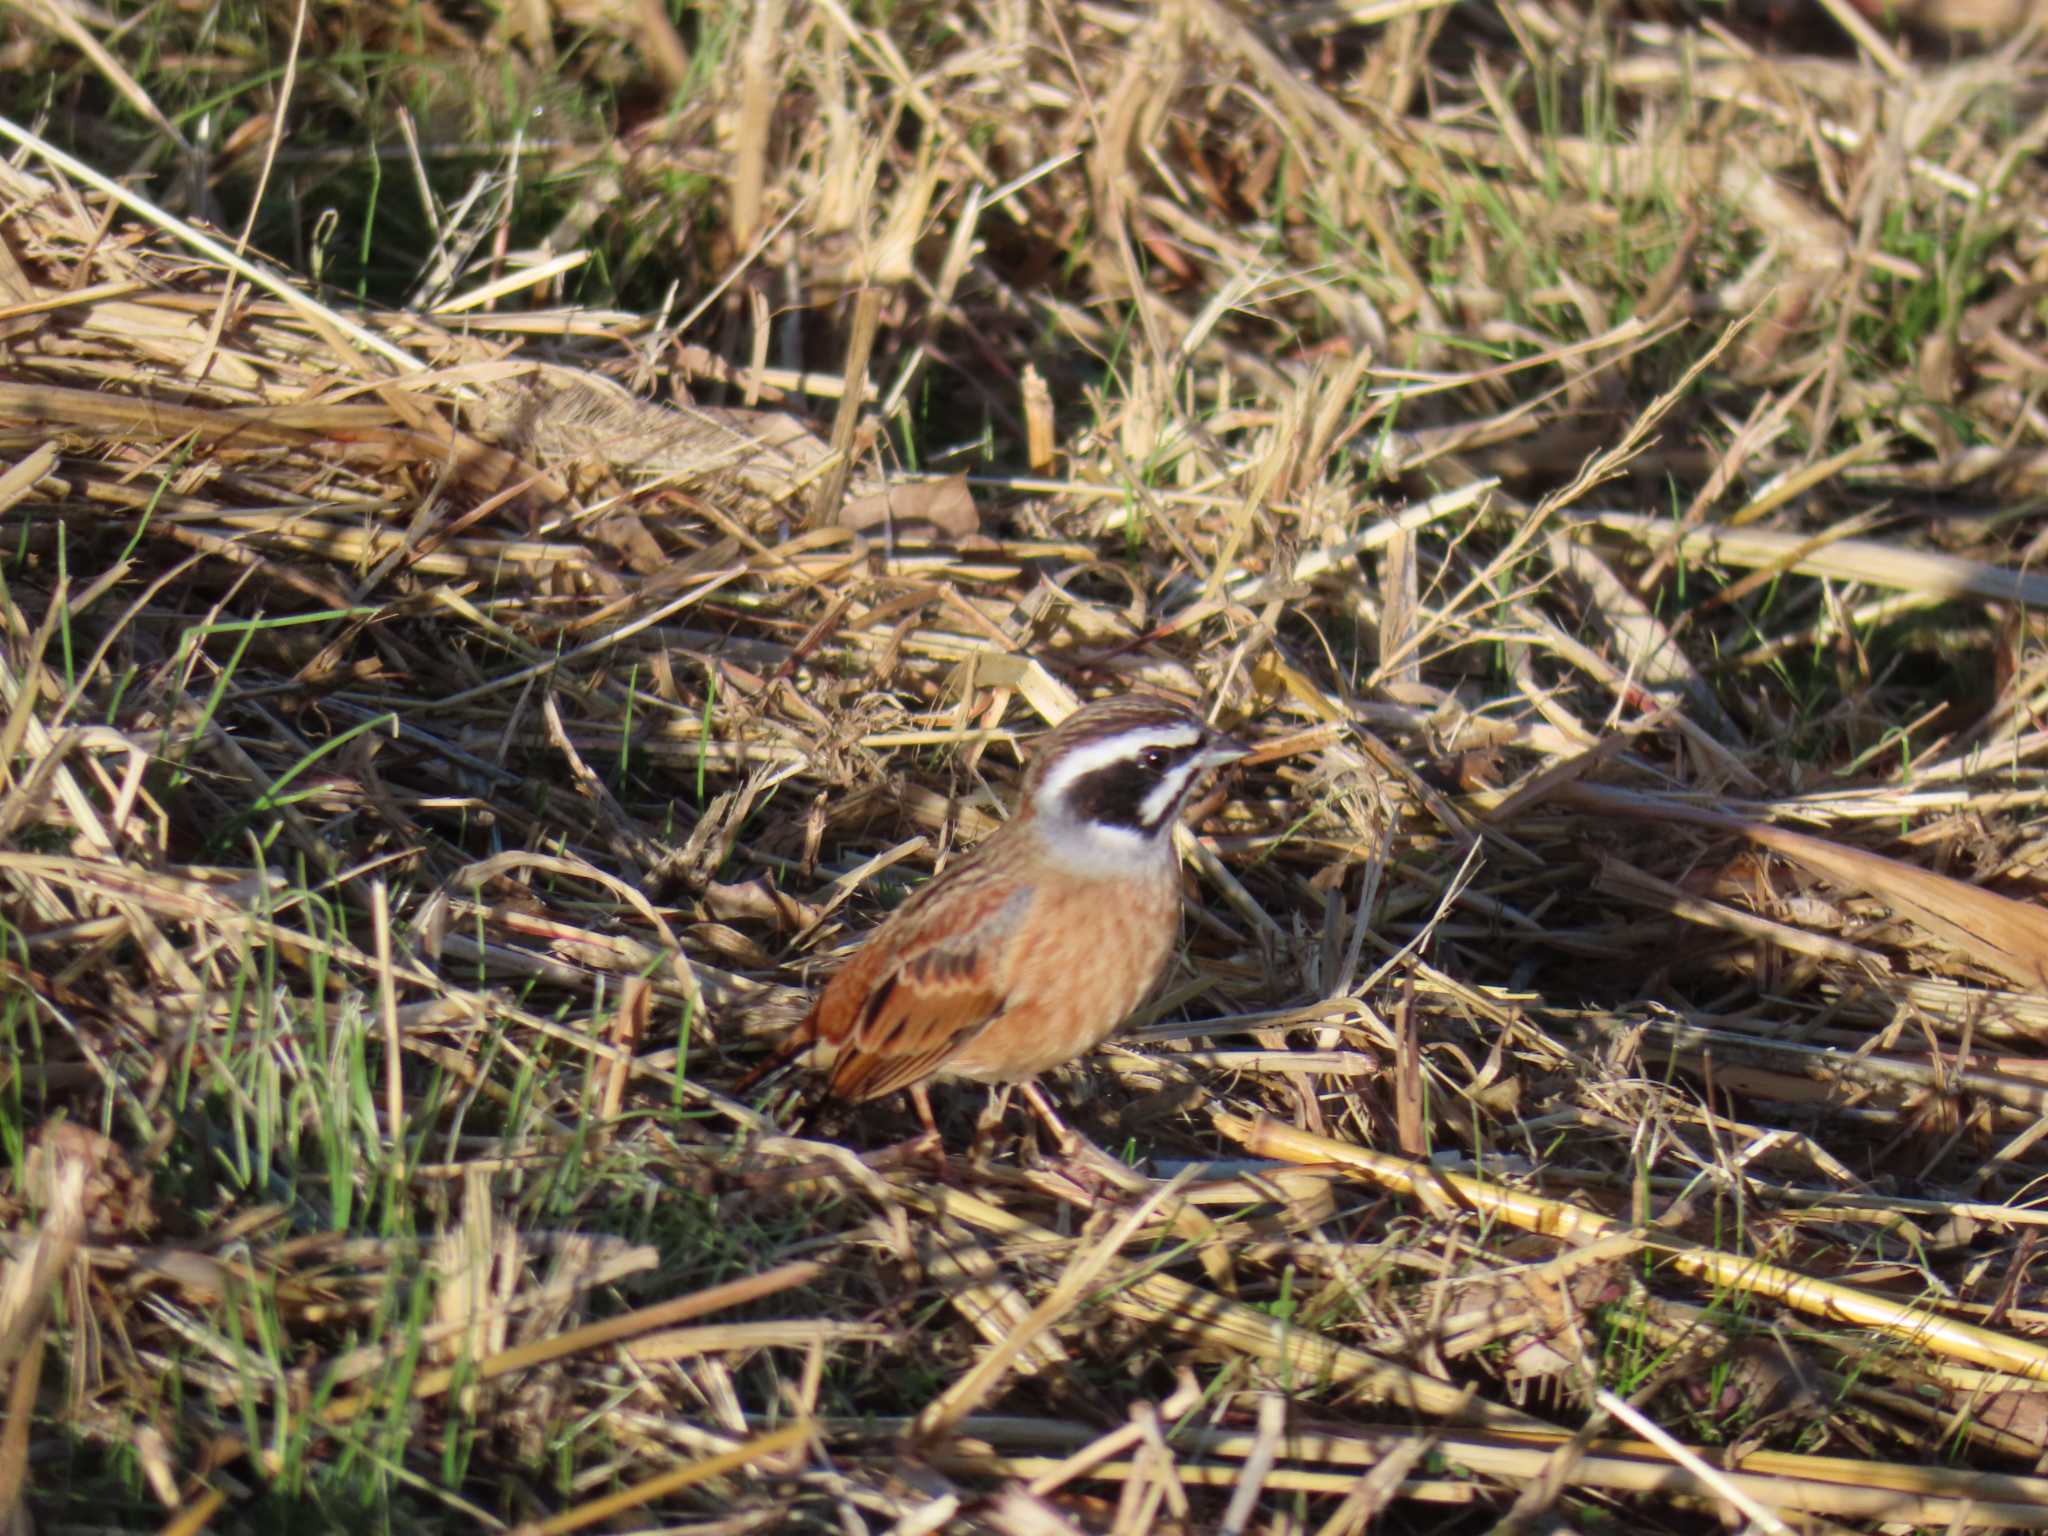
x=1593, y=458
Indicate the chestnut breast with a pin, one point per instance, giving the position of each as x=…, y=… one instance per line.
x=1086, y=953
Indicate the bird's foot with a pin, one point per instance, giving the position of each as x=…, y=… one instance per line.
x=924, y=1148
x=1084, y=1162
x=988, y=1123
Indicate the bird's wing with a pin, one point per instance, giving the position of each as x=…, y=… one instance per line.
x=923, y=993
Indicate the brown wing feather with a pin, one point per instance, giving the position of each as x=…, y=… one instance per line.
x=921, y=988
x=858, y=1077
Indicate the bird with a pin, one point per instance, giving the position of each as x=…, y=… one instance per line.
x=1029, y=950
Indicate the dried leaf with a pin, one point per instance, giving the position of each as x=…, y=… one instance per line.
x=944, y=506
x=1997, y=932
x=759, y=901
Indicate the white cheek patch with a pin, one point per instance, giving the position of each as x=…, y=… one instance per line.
x=1083, y=761
x=1099, y=852
x=1166, y=794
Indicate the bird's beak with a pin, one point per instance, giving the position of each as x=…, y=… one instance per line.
x=1221, y=749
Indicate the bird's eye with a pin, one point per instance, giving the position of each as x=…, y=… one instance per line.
x=1153, y=759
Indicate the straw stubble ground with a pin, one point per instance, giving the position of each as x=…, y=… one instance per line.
x=1596, y=460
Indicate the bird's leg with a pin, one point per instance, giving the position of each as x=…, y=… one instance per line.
x=1102, y=1169
x=922, y=1099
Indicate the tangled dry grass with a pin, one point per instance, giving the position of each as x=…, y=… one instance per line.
x=1597, y=459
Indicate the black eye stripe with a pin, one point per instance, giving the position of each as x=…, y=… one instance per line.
x=1116, y=793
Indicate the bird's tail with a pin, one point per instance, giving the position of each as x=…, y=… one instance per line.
x=793, y=1045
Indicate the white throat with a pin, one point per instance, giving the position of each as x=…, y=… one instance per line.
x=1098, y=851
